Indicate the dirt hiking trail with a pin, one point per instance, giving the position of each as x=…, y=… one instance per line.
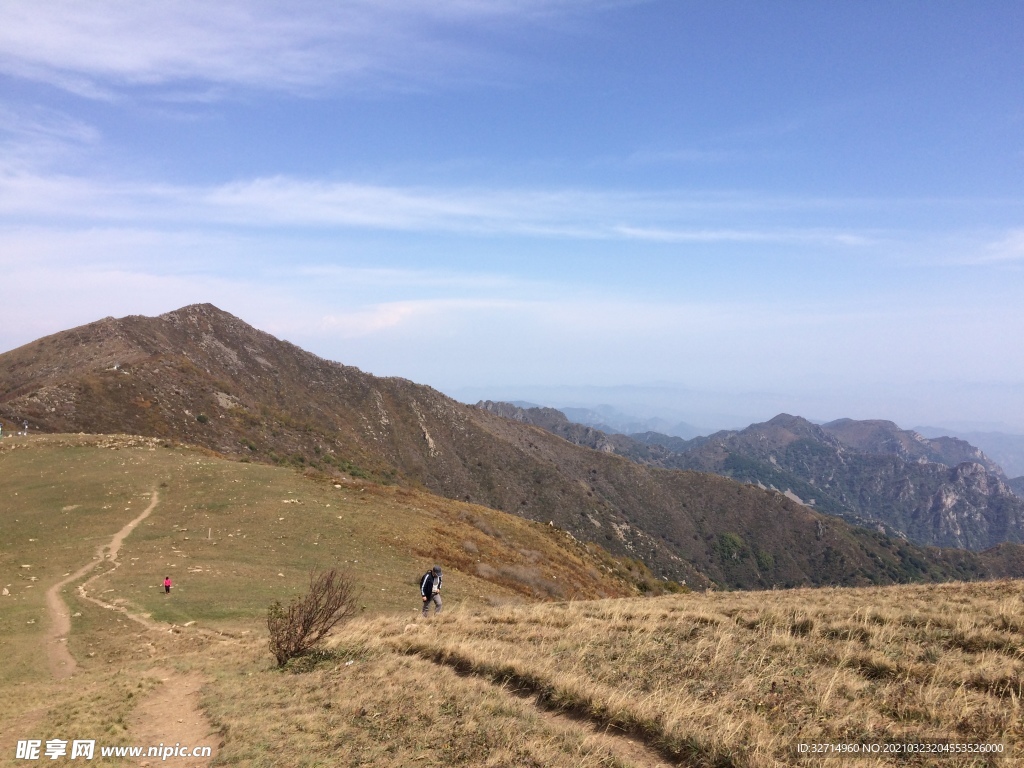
x=62, y=663
x=171, y=715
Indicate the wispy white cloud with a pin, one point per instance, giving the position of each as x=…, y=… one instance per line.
x=39, y=122
x=34, y=137
x=1009, y=248
x=403, y=315
x=283, y=202
x=781, y=235
x=678, y=157
x=96, y=50
x=393, y=278
x=986, y=247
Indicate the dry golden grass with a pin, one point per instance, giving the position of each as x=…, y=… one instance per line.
x=704, y=679
x=742, y=678
x=372, y=706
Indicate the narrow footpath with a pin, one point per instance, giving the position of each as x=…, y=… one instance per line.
x=62, y=663
x=170, y=714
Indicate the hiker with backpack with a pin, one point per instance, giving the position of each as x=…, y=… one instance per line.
x=430, y=590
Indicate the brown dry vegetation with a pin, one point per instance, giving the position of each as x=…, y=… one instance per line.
x=701, y=679
x=741, y=678
x=722, y=679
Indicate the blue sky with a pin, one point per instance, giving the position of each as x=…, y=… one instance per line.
x=737, y=208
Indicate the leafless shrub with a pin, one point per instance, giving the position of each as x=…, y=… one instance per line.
x=297, y=629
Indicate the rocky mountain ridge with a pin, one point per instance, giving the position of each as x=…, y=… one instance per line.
x=938, y=492
x=202, y=376
x=1006, y=449
x=885, y=438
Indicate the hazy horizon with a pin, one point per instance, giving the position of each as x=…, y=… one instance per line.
x=732, y=209
x=706, y=411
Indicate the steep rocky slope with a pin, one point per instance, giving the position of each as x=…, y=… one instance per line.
x=886, y=439
x=202, y=376
x=875, y=473
x=942, y=492
x=1006, y=449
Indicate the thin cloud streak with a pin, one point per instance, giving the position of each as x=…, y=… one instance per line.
x=36, y=137
x=418, y=278
x=282, y=202
x=45, y=124
x=809, y=236
x=1008, y=249
x=406, y=315
x=97, y=51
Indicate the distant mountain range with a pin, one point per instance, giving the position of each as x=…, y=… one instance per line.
x=939, y=492
x=202, y=376
x=611, y=420
x=1005, y=449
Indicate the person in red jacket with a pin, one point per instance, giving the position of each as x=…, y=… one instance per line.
x=167, y=585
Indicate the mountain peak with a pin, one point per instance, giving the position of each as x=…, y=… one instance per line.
x=194, y=312
x=787, y=420
x=200, y=308
x=796, y=425
x=886, y=438
x=874, y=423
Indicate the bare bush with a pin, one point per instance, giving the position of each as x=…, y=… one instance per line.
x=297, y=629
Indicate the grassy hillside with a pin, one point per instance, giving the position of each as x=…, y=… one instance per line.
x=233, y=536
x=714, y=679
